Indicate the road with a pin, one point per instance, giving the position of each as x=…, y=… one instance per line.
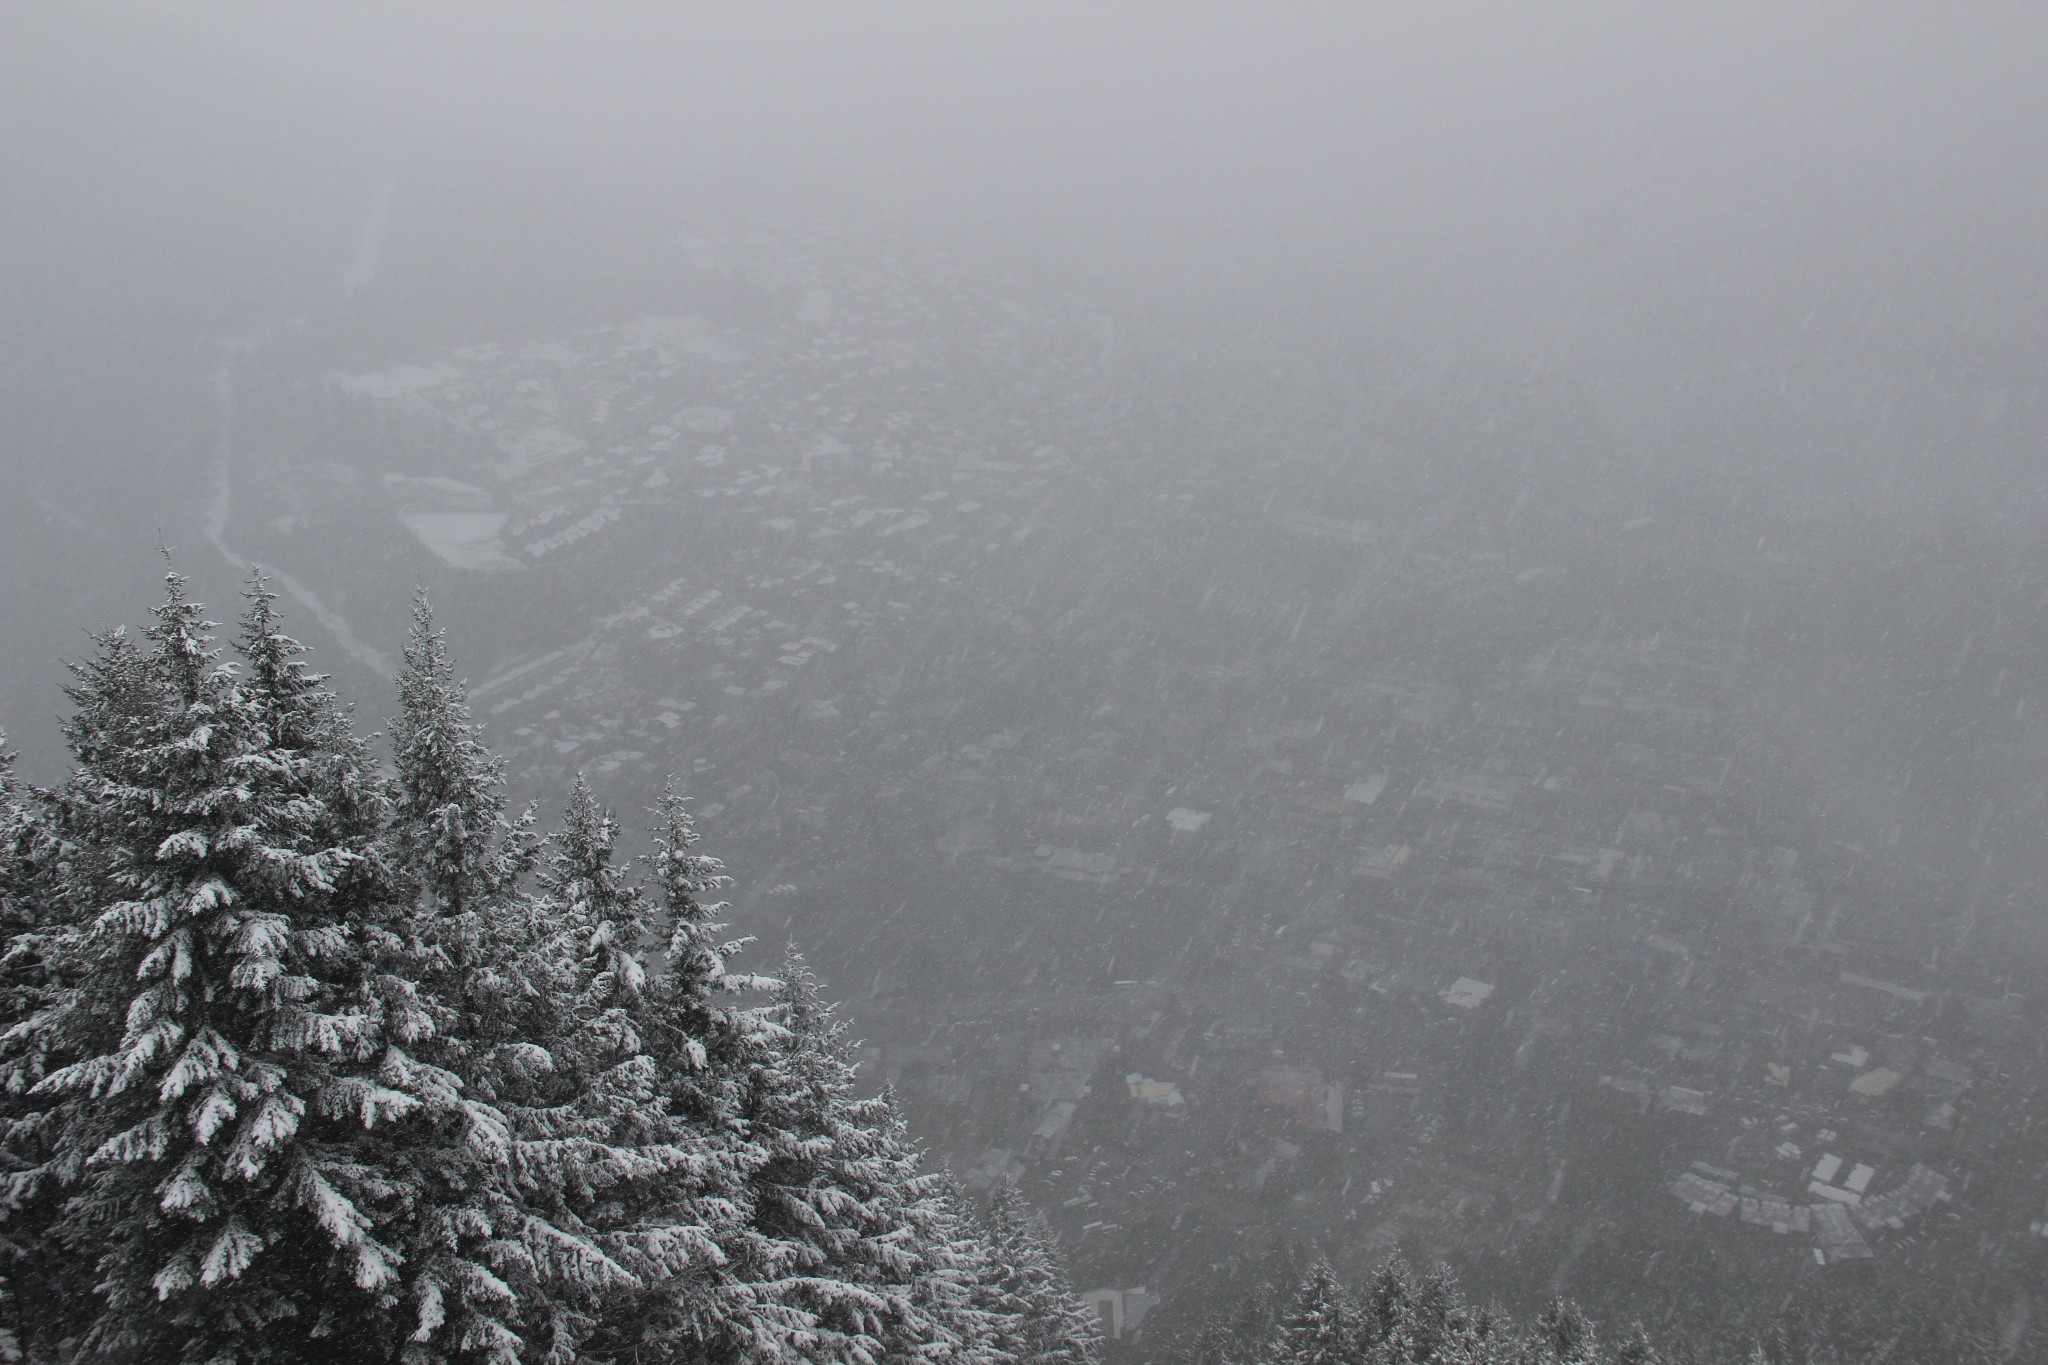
x=220, y=510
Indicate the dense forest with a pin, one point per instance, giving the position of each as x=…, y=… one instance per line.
x=313, y=1057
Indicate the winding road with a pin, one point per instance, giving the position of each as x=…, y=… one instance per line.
x=221, y=508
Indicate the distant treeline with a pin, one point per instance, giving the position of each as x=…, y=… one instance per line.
x=1289, y=1310
x=1290, y=1317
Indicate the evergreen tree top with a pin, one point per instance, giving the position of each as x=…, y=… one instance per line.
x=1053, y=1327
x=1389, y=1301
x=1321, y=1326
x=452, y=830
x=596, y=901
x=799, y=1006
x=439, y=749
x=1567, y=1334
x=696, y=959
x=1636, y=1349
x=278, y=673
x=184, y=640
x=218, y=1028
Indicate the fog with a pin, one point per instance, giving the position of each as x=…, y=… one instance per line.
x=1612, y=435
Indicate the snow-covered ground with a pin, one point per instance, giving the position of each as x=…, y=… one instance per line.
x=397, y=382
x=463, y=540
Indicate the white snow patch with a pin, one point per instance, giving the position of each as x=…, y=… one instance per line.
x=1466, y=994
x=436, y=493
x=463, y=540
x=395, y=383
x=1368, y=791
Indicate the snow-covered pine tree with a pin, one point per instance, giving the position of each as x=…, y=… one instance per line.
x=51, y=1280
x=828, y=1198
x=1566, y=1335
x=1405, y=1321
x=958, y=1287
x=605, y=920
x=623, y=1191
x=705, y=1040
x=500, y=984
x=697, y=988
x=1241, y=1333
x=459, y=1240
x=1212, y=1341
x=307, y=734
x=486, y=959
x=29, y=849
x=1053, y=1327
x=1495, y=1340
x=37, y=1286
x=451, y=788
x=914, y=1205
x=589, y=1146
x=1321, y=1326
x=657, y=1189
x=1636, y=1349
x=699, y=1291
x=1387, y=1313
x=297, y=712
x=214, y=1056
x=1444, y=1326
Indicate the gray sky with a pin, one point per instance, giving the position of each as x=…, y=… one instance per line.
x=1303, y=115
x=1595, y=183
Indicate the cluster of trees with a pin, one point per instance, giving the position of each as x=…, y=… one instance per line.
x=1400, y=1319
x=312, y=1057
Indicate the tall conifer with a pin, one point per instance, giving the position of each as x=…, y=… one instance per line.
x=1636, y=1349
x=451, y=787
x=1321, y=1325
x=827, y=1197
x=958, y=1291
x=37, y=1287
x=1387, y=1311
x=215, y=1051
x=1052, y=1328
x=1566, y=1334
x=700, y=1292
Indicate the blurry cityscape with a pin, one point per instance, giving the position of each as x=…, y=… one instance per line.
x=1249, y=791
